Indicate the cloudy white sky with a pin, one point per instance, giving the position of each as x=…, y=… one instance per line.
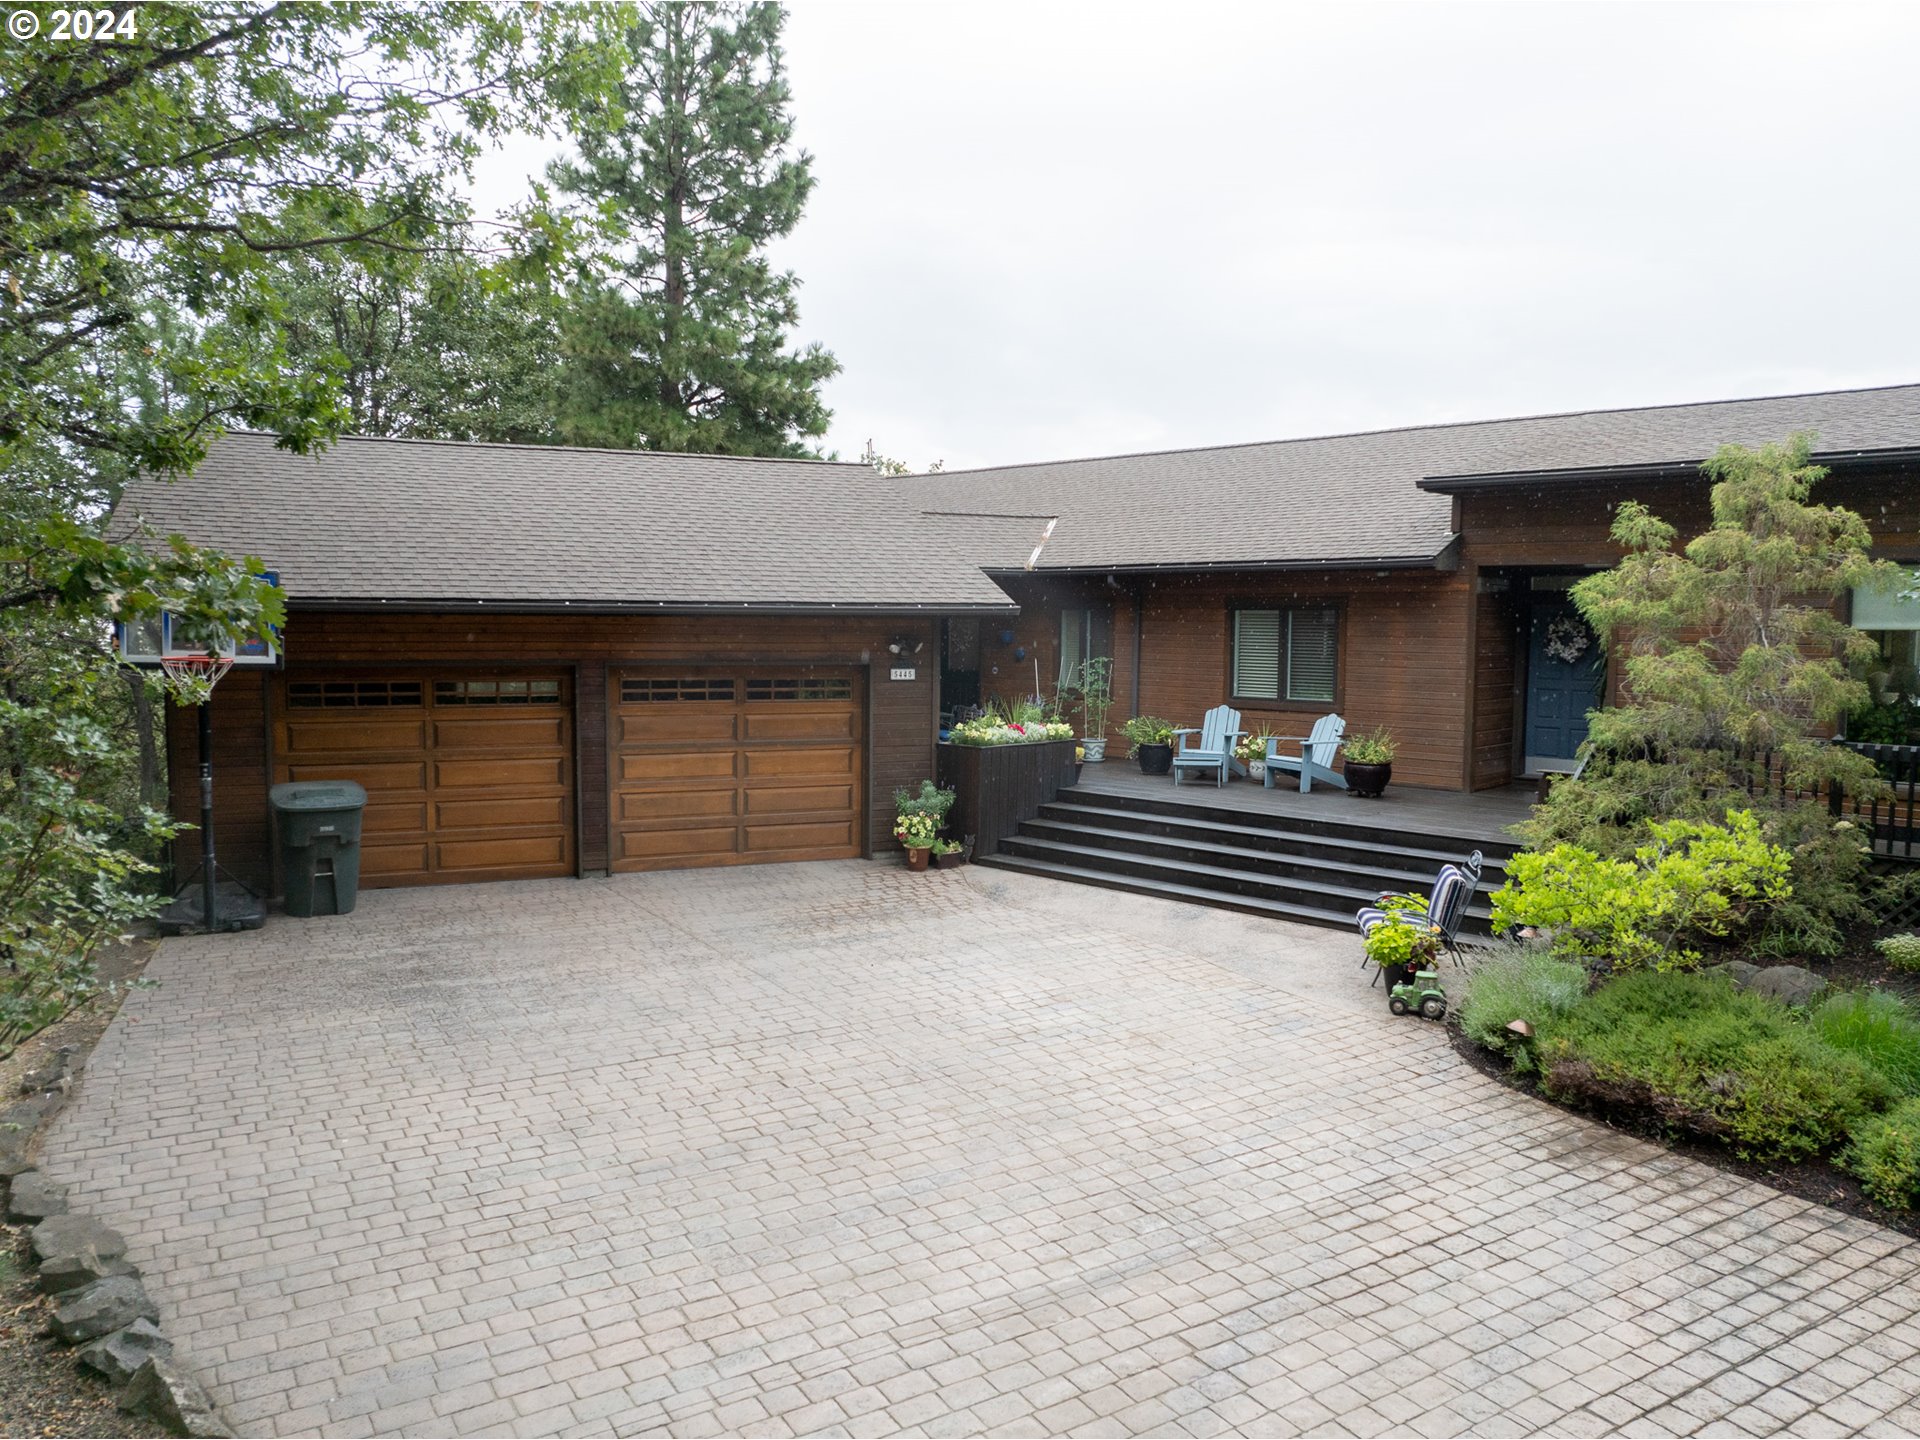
x=1045, y=230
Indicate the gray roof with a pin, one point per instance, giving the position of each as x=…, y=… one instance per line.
x=423, y=522
x=1353, y=499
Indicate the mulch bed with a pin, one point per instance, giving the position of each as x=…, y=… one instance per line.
x=43, y=1390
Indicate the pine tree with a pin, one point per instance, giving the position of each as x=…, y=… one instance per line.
x=681, y=341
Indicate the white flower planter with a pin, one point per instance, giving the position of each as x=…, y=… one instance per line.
x=1096, y=750
x=1257, y=771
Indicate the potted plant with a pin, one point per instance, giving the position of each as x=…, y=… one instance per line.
x=918, y=815
x=1370, y=762
x=917, y=833
x=948, y=854
x=1252, y=753
x=1399, y=945
x=1152, y=740
x=1094, y=689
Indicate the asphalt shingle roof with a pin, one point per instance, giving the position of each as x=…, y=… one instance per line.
x=411, y=521
x=1356, y=498
x=423, y=521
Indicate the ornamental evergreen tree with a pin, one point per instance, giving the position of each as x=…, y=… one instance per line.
x=679, y=340
x=1736, y=666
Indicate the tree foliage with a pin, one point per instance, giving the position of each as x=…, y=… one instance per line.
x=678, y=339
x=1735, y=665
x=152, y=191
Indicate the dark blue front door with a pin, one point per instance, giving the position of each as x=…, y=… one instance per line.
x=1566, y=677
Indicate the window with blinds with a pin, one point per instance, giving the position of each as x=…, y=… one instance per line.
x=1285, y=654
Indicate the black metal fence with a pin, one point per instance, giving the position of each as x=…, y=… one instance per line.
x=1893, y=818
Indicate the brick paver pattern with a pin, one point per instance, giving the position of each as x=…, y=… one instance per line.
x=836, y=1148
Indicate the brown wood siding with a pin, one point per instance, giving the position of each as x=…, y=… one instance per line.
x=1494, y=659
x=1403, y=639
x=901, y=726
x=590, y=761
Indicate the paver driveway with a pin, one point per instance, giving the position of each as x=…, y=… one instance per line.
x=840, y=1148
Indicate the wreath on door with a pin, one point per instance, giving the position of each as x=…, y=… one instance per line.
x=1567, y=639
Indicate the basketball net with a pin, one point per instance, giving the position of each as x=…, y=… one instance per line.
x=194, y=676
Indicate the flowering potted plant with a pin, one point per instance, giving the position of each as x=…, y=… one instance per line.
x=1370, y=762
x=918, y=815
x=1401, y=943
x=1152, y=740
x=948, y=854
x=917, y=833
x=1252, y=752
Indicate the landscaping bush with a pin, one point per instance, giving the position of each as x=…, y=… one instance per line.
x=1701, y=1056
x=1885, y=1154
x=1901, y=951
x=1527, y=984
x=1876, y=1028
x=1691, y=880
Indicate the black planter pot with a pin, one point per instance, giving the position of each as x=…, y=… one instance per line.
x=1395, y=975
x=1367, y=781
x=1156, y=759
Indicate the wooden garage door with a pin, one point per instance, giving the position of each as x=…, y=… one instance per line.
x=468, y=776
x=732, y=767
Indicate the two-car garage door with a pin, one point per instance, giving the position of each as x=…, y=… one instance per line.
x=470, y=776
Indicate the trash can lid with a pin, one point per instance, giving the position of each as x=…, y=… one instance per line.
x=318, y=795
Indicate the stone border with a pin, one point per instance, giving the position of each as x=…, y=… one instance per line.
x=101, y=1306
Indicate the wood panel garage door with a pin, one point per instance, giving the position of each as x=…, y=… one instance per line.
x=468, y=777
x=731, y=767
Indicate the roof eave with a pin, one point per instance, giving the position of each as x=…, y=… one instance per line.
x=417, y=606
x=1662, y=470
x=1445, y=558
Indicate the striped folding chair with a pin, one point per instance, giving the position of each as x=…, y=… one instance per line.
x=1453, y=888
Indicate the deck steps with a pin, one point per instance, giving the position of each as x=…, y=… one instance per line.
x=1313, y=870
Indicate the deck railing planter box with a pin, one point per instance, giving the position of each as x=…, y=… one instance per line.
x=997, y=786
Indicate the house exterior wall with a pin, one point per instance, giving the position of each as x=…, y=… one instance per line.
x=901, y=721
x=1401, y=660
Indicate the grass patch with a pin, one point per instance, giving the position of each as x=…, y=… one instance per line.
x=1876, y=1028
x=1704, y=1057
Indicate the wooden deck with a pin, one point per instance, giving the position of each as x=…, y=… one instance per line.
x=1481, y=815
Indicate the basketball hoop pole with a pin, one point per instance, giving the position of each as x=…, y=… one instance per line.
x=208, y=904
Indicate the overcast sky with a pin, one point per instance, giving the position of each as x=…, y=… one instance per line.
x=1047, y=230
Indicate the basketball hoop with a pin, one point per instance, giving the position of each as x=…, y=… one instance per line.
x=194, y=676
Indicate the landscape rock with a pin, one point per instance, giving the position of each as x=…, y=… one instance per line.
x=1739, y=971
x=70, y=1272
x=1792, y=984
x=162, y=1389
x=101, y=1308
x=13, y=1153
x=57, y=1074
x=66, y=1235
x=119, y=1355
x=32, y=1196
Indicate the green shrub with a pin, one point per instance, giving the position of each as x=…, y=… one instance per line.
x=1527, y=984
x=1876, y=1028
x=1701, y=1056
x=1691, y=880
x=929, y=800
x=1885, y=1154
x=1901, y=951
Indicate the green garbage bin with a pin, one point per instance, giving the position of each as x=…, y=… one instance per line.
x=319, y=827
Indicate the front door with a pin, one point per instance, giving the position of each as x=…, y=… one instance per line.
x=1566, y=677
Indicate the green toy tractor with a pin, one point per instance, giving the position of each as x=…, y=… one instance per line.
x=1422, y=992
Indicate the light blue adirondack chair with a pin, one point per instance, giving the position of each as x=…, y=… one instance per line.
x=1315, y=760
x=1212, y=753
